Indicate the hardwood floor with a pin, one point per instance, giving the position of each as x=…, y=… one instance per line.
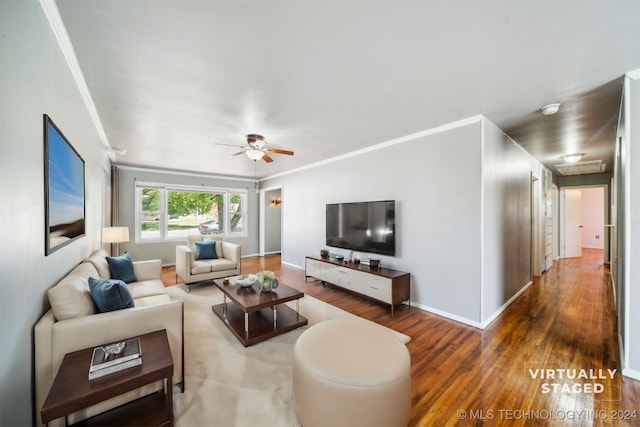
x=564, y=323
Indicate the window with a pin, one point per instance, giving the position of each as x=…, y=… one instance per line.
x=171, y=213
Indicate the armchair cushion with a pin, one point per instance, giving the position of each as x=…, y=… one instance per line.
x=121, y=268
x=206, y=250
x=110, y=294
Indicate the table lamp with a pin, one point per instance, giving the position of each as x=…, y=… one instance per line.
x=115, y=235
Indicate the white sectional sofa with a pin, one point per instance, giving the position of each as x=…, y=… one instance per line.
x=192, y=270
x=72, y=323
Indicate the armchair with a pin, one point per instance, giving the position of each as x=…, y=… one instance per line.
x=192, y=270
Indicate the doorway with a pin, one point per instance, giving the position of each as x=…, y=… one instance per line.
x=583, y=220
x=271, y=220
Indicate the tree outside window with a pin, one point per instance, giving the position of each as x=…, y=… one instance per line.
x=188, y=212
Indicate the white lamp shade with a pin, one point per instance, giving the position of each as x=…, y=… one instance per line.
x=115, y=234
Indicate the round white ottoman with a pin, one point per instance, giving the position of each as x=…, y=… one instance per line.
x=349, y=372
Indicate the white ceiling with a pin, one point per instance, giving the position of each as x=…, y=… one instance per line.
x=323, y=78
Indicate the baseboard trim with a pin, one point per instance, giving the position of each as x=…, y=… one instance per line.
x=631, y=373
x=446, y=314
x=288, y=264
x=499, y=311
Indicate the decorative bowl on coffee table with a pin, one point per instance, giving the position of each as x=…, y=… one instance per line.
x=246, y=280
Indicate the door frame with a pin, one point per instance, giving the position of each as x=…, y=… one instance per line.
x=263, y=209
x=607, y=216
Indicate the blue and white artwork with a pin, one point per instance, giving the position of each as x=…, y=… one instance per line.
x=65, y=190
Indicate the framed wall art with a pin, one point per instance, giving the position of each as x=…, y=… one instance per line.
x=64, y=187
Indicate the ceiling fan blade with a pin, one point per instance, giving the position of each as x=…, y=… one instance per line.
x=230, y=145
x=237, y=154
x=278, y=151
x=266, y=158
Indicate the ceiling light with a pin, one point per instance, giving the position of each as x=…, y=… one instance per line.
x=572, y=158
x=255, y=154
x=550, y=109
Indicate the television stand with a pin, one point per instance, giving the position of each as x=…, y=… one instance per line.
x=389, y=286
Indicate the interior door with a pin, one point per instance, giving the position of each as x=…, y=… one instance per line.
x=572, y=223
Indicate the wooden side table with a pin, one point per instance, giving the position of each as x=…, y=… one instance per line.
x=72, y=390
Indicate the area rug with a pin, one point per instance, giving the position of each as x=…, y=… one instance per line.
x=227, y=384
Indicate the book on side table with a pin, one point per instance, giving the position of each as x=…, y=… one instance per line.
x=115, y=357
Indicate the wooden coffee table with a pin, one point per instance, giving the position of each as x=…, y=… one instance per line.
x=256, y=316
x=72, y=390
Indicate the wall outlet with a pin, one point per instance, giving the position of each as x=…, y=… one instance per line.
x=597, y=236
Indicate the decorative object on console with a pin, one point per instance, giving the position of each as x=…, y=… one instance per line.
x=115, y=235
x=64, y=194
x=115, y=368
x=268, y=281
x=370, y=263
x=324, y=253
x=115, y=357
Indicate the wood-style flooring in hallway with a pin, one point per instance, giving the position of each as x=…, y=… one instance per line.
x=564, y=324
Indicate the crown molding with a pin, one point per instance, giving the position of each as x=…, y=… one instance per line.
x=390, y=143
x=57, y=26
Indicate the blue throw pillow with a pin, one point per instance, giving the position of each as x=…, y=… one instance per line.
x=206, y=250
x=110, y=294
x=121, y=267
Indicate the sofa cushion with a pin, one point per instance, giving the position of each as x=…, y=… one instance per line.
x=153, y=300
x=201, y=266
x=110, y=294
x=121, y=268
x=206, y=250
x=71, y=298
x=222, y=264
x=101, y=265
x=99, y=252
x=145, y=288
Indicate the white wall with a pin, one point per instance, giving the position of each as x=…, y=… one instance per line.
x=437, y=212
x=463, y=225
x=629, y=244
x=506, y=219
x=35, y=79
x=593, y=232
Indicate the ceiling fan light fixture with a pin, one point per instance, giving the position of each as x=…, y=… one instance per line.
x=255, y=154
x=550, y=109
x=572, y=158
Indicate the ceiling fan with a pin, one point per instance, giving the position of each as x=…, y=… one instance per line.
x=256, y=149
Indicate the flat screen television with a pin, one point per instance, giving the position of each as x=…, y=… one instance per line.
x=362, y=226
